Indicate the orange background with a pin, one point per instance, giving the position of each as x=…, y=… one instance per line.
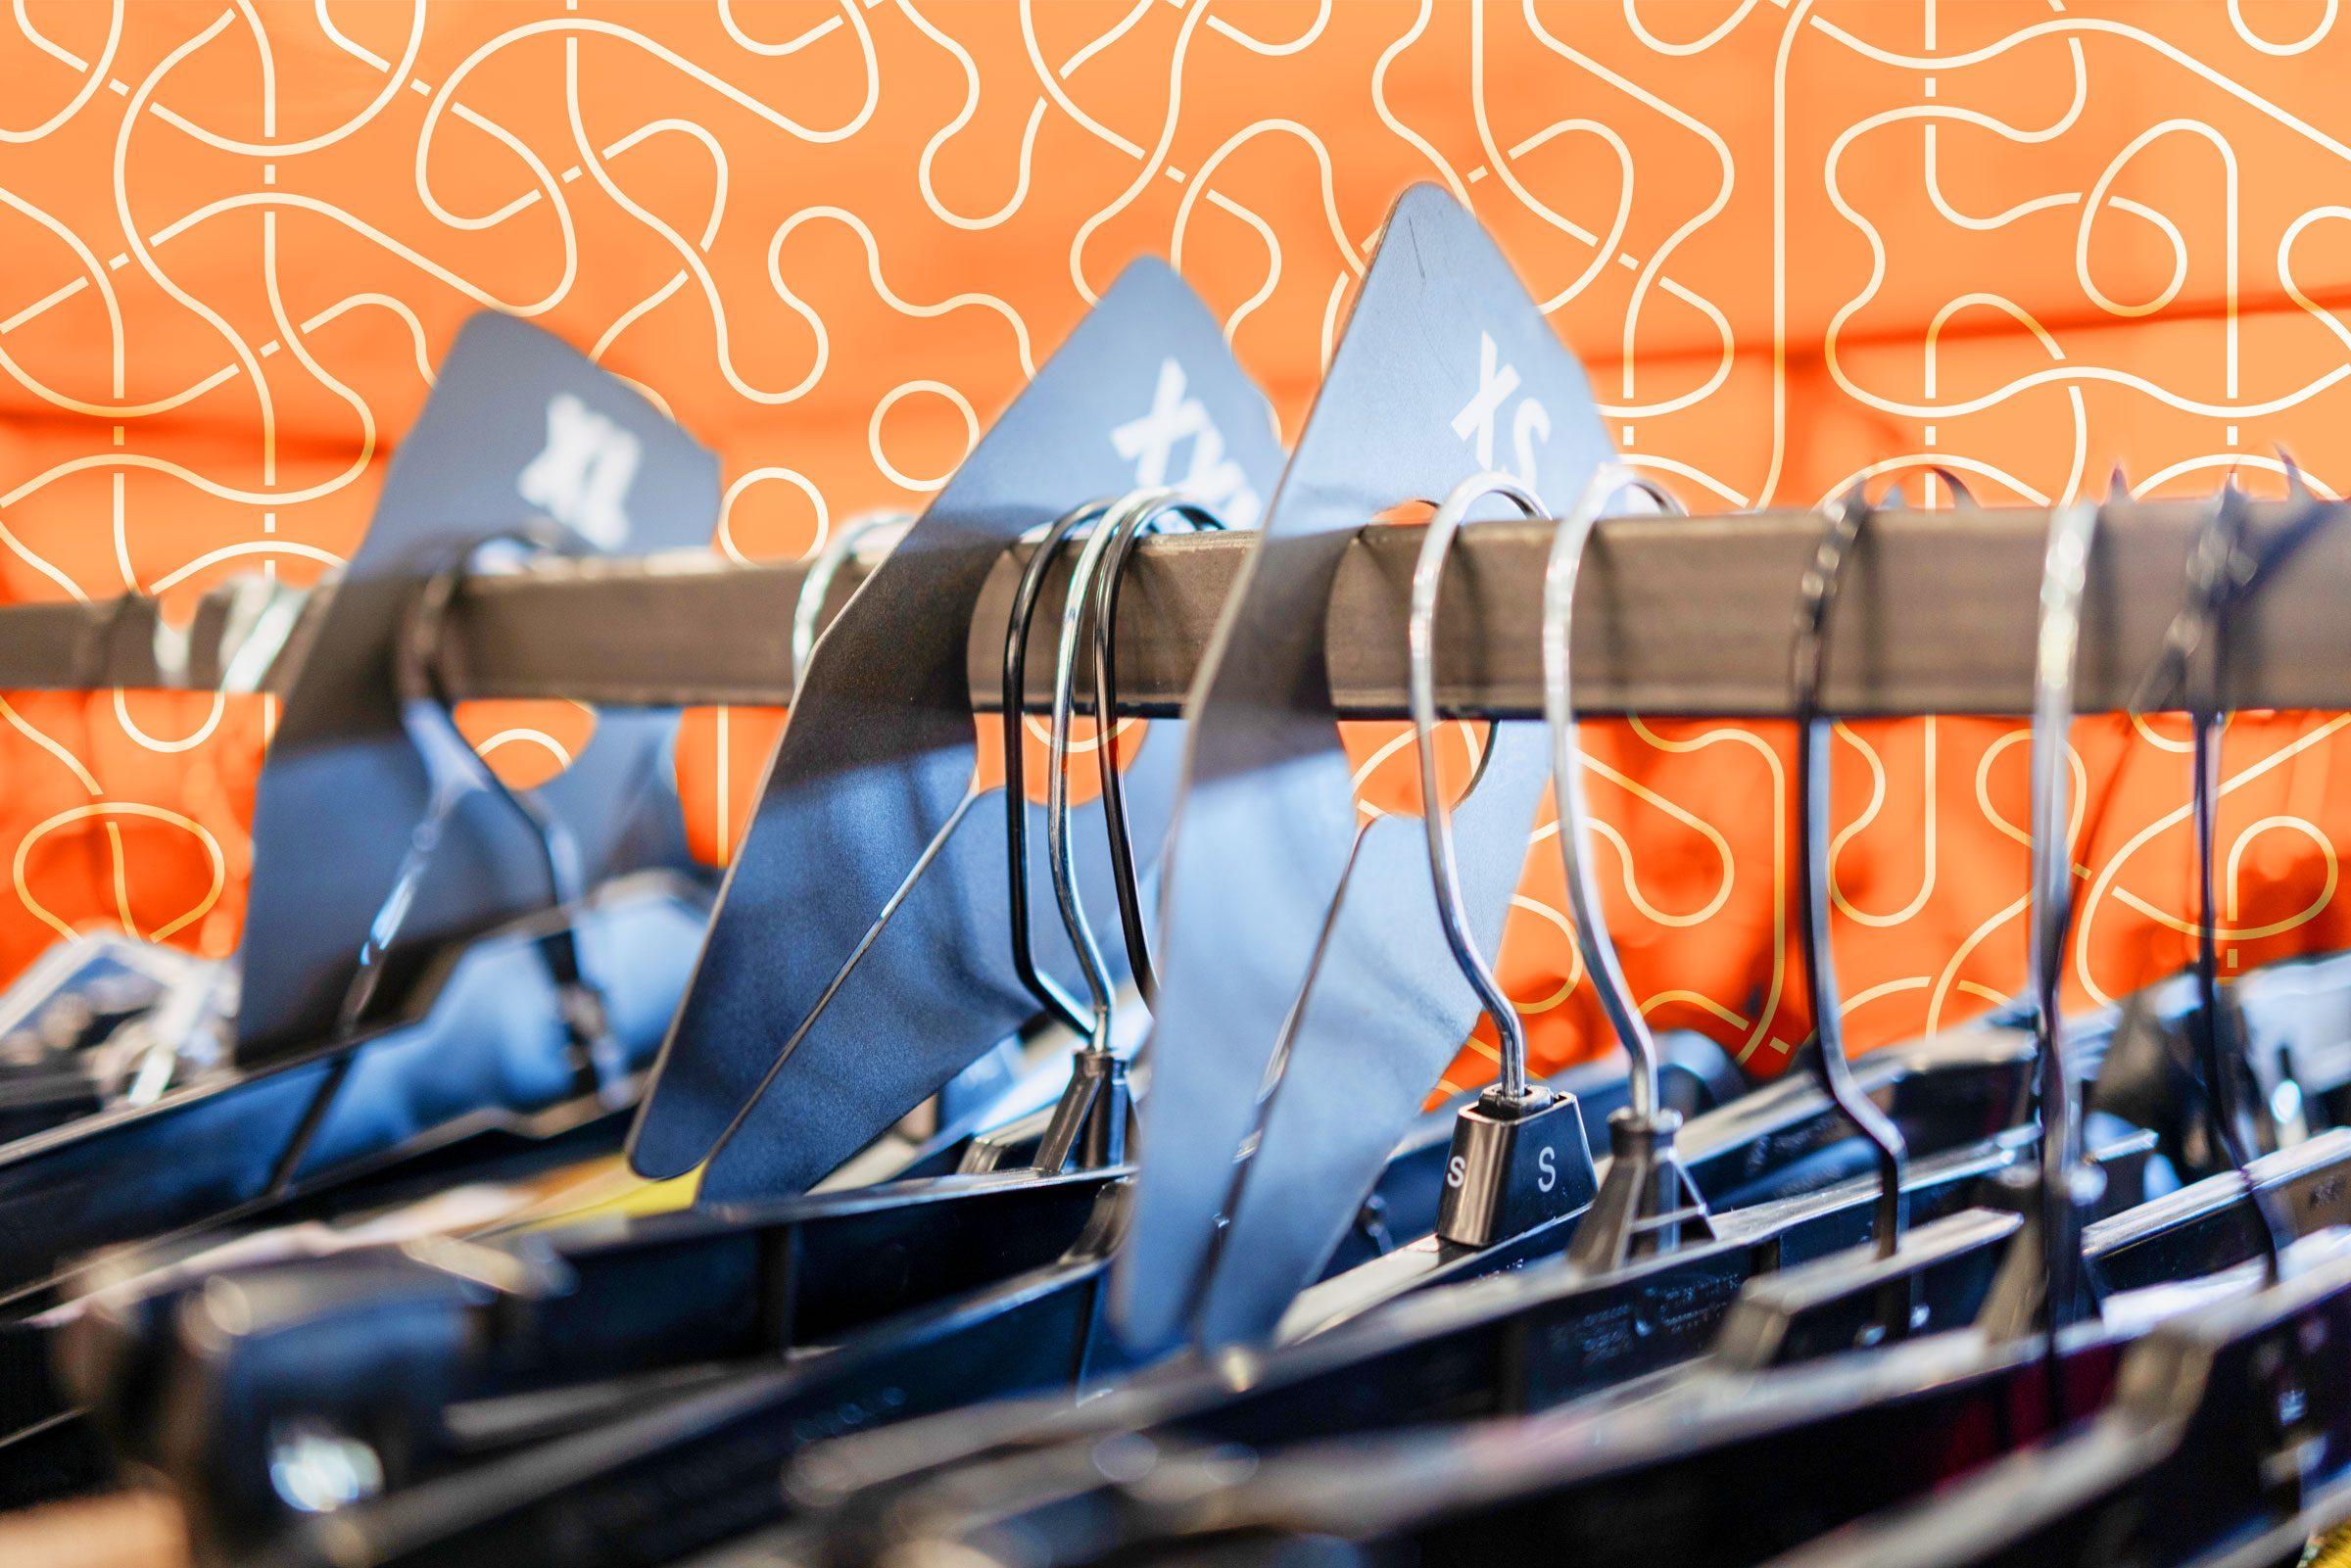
x=1793, y=243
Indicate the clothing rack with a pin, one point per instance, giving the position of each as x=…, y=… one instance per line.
x=1674, y=616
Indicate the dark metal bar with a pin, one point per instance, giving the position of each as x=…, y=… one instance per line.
x=122, y=642
x=1675, y=616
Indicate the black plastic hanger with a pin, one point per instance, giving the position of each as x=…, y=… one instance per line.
x=1728, y=1469
x=1273, y=1393
x=2228, y=1441
x=457, y=772
x=1721, y=1470
x=476, y=1367
x=638, y=1310
x=342, y=791
x=1525, y=1353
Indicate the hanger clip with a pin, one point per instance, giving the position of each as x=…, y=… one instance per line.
x=2019, y=1300
x=1088, y=1129
x=1647, y=1204
x=1518, y=1161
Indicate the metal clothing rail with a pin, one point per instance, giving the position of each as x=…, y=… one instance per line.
x=1682, y=616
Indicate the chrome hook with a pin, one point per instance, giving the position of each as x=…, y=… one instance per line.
x=1131, y=513
x=1519, y=1159
x=2065, y=570
x=1845, y=515
x=1090, y=1122
x=1093, y=1072
x=1048, y=991
x=1647, y=1200
x=1109, y=577
x=1569, y=803
x=1436, y=816
x=2220, y=574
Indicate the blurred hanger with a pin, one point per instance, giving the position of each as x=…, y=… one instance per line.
x=1540, y=1338
x=1727, y=1468
x=1939, y=1280
x=501, y=1059
x=520, y=431
x=852, y=538
x=1108, y=578
x=2228, y=1070
x=653, y=1308
x=2229, y=1437
x=101, y=1018
x=79, y=1029
x=1847, y=517
x=339, y=982
x=457, y=773
x=2287, y=1013
x=2043, y=1284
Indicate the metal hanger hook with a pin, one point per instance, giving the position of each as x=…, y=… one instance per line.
x=2065, y=573
x=1047, y=990
x=1108, y=577
x=1569, y=807
x=809, y=607
x=1129, y=514
x=1845, y=516
x=1436, y=816
x=2218, y=570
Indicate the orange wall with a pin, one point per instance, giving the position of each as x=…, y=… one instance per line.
x=1791, y=241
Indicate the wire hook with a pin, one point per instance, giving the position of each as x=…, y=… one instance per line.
x=1569, y=803
x=1436, y=816
x=1845, y=515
